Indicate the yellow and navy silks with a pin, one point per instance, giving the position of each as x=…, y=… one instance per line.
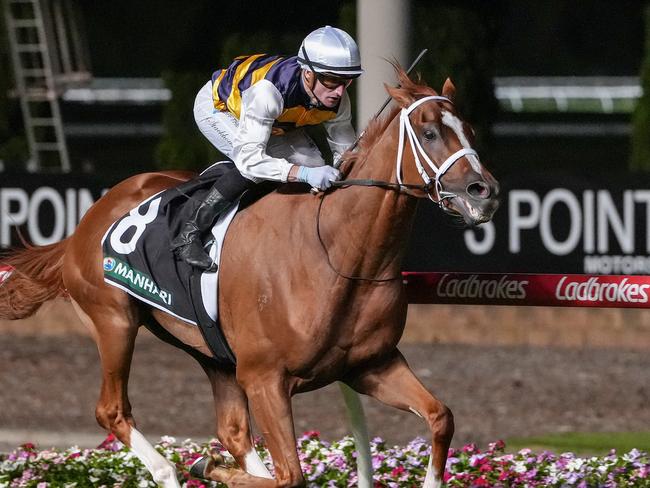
x=285, y=73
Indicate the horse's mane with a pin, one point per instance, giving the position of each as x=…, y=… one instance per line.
x=414, y=89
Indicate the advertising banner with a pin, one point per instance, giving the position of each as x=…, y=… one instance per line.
x=546, y=223
x=551, y=290
x=44, y=208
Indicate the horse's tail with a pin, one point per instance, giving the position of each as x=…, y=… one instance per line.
x=35, y=277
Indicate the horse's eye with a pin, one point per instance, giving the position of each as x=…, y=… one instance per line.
x=429, y=135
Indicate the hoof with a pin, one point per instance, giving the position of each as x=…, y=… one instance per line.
x=197, y=469
x=203, y=466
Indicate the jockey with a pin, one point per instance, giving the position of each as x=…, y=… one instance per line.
x=254, y=111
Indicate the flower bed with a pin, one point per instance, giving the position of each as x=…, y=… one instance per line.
x=330, y=465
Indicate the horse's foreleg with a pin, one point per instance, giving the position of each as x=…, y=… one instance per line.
x=270, y=405
x=233, y=422
x=359, y=429
x=115, y=332
x=394, y=384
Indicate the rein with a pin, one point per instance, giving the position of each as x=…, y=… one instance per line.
x=327, y=254
x=405, y=128
x=400, y=187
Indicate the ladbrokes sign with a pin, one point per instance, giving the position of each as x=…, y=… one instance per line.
x=594, y=290
x=474, y=287
x=529, y=289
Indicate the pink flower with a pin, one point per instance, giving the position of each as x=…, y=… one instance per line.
x=497, y=446
x=396, y=472
x=481, y=482
x=195, y=484
x=504, y=475
x=485, y=467
x=469, y=448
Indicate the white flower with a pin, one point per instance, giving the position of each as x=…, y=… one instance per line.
x=575, y=464
x=520, y=467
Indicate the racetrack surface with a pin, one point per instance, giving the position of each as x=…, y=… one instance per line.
x=50, y=384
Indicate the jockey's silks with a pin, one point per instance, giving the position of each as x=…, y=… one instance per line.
x=284, y=72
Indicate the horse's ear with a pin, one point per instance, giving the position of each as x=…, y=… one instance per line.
x=449, y=90
x=401, y=96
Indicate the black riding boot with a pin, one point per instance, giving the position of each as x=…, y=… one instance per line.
x=188, y=245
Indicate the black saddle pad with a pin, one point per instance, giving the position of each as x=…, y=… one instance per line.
x=138, y=260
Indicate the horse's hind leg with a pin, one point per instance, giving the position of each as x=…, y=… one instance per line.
x=114, y=329
x=233, y=421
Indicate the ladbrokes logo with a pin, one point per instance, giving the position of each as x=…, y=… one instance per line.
x=593, y=290
x=473, y=287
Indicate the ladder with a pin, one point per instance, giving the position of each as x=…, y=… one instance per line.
x=36, y=86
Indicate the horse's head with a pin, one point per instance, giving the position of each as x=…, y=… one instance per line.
x=435, y=146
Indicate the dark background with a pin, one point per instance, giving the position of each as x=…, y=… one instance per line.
x=470, y=41
x=551, y=38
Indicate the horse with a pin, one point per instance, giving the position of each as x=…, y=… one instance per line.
x=310, y=290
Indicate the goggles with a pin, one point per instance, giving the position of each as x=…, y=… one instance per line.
x=333, y=82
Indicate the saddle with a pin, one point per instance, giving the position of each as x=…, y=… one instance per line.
x=138, y=259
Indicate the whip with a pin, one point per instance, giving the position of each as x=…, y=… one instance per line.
x=408, y=71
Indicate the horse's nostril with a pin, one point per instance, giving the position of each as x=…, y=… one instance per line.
x=478, y=189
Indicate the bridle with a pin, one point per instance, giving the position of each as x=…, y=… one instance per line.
x=439, y=171
x=430, y=183
x=405, y=129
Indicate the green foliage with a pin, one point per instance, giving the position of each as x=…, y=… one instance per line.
x=182, y=145
x=640, y=159
x=461, y=40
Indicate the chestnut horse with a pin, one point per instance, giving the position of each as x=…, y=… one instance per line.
x=310, y=290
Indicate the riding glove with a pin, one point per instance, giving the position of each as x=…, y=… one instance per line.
x=320, y=177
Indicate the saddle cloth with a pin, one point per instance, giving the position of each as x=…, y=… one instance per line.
x=138, y=260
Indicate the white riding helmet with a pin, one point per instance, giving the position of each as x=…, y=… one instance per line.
x=330, y=50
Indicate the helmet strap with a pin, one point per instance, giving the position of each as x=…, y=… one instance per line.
x=307, y=60
x=312, y=84
x=312, y=95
